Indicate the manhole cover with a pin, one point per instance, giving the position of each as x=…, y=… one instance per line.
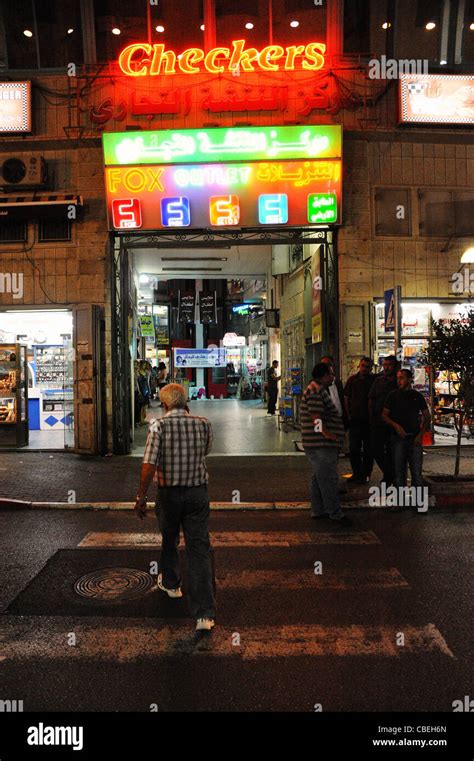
x=112, y=584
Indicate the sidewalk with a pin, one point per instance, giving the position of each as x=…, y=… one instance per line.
x=65, y=477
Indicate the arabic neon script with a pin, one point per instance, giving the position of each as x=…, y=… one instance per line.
x=236, y=144
x=143, y=59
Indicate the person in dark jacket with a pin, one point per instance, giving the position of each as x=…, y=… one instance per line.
x=356, y=398
x=272, y=387
x=380, y=432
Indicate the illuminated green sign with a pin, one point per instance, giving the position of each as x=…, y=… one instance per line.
x=322, y=208
x=191, y=146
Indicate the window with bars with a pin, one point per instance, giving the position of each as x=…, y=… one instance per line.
x=13, y=232
x=50, y=230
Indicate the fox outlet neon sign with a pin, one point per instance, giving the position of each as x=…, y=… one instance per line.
x=143, y=59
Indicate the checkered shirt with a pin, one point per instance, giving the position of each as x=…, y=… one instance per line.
x=178, y=444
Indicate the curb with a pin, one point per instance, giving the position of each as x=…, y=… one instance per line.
x=443, y=500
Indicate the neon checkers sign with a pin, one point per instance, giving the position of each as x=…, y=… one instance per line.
x=143, y=59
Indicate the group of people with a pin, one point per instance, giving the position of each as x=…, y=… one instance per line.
x=385, y=416
x=149, y=380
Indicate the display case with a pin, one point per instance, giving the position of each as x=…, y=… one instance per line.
x=13, y=396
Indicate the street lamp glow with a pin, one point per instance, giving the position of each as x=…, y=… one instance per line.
x=249, y=25
x=115, y=30
x=294, y=24
x=430, y=25
x=468, y=256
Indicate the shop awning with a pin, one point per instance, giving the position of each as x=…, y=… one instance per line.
x=38, y=206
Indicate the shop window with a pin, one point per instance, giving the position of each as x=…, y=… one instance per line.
x=357, y=25
x=54, y=230
x=43, y=22
x=392, y=211
x=418, y=31
x=13, y=232
x=446, y=212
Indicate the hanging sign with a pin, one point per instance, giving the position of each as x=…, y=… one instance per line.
x=15, y=106
x=147, y=327
x=207, y=307
x=436, y=99
x=189, y=358
x=186, y=306
x=389, y=299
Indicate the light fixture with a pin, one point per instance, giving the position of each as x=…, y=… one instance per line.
x=443, y=62
x=249, y=25
x=202, y=27
x=70, y=30
x=468, y=256
x=386, y=25
x=430, y=25
x=144, y=279
x=294, y=24
x=28, y=33
x=115, y=30
x=471, y=27
x=160, y=28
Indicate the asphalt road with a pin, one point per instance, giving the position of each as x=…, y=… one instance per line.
x=386, y=626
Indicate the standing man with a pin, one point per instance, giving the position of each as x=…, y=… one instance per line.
x=356, y=398
x=322, y=434
x=176, y=449
x=272, y=387
x=383, y=384
x=406, y=412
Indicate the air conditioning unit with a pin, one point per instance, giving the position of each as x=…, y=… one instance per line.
x=26, y=173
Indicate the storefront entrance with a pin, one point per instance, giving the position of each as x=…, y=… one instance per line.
x=36, y=379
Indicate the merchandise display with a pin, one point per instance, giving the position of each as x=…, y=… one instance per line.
x=13, y=396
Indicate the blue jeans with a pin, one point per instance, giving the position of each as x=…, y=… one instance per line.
x=187, y=506
x=406, y=452
x=324, y=481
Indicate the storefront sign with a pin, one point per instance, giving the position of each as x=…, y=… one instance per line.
x=189, y=146
x=208, y=307
x=186, y=306
x=147, y=328
x=436, y=99
x=316, y=301
x=232, y=339
x=15, y=106
x=389, y=299
x=143, y=59
x=189, y=358
x=161, y=335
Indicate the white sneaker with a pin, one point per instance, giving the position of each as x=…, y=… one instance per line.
x=170, y=592
x=204, y=624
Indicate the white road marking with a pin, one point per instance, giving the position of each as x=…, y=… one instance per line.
x=375, y=578
x=106, y=640
x=236, y=538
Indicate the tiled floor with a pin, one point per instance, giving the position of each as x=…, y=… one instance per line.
x=240, y=428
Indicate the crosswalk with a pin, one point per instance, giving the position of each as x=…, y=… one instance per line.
x=126, y=639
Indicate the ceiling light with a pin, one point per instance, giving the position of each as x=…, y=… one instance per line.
x=70, y=31
x=249, y=25
x=386, y=25
x=115, y=30
x=430, y=25
x=144, y=279
x=471, y=27
x=294, y=24
x=160, y=28
x=27, y=33
x=202, y=27
x=443, y=63
x=468, y=256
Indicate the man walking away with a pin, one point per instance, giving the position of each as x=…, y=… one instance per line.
x=176, y=448
x=379, y=430
x=356, y=398
x=322, y=434
x=272, y=387
x=406, y=412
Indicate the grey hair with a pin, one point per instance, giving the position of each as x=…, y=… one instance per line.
x=174, y=396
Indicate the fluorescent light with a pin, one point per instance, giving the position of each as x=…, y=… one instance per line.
x=27, y=33
x=468, y=256
x=294, y=24
x=160, y=28
x=249, y=25
x=430, y=25
x=115, y=30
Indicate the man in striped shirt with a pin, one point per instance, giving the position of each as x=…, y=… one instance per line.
x=322, y=433
x=175, y=453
